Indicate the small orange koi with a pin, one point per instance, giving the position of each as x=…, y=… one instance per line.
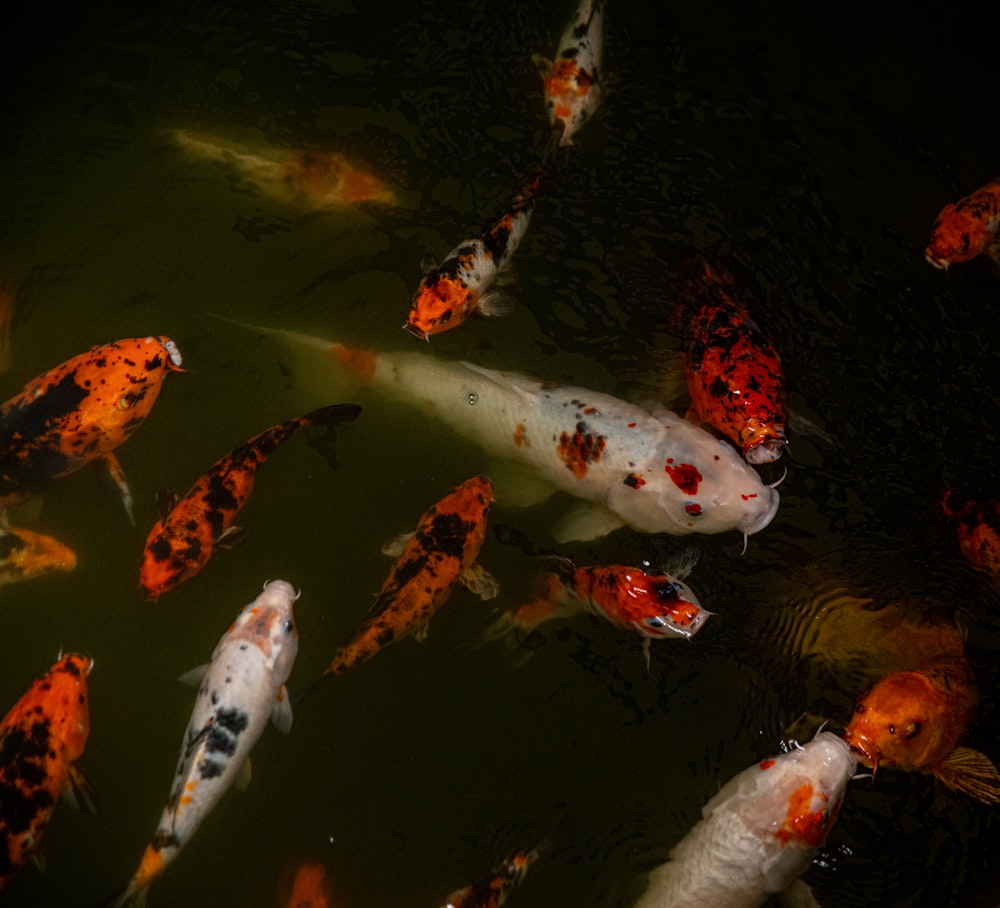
x=41, y=738
x=25, y=554
x=966, y=228
x=492, y=890
x=180, y=544
x=977, y=526
x=734, y=373
x=441, y=552
x=81, y=411
x=309, y=888
x=459, y=286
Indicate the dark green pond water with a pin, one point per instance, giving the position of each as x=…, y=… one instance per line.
x=810, y=149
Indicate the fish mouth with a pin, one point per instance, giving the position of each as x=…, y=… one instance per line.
x=756, y=522
x=866, y=749
x=768, y=450
x=940, y=264
x=418, y=333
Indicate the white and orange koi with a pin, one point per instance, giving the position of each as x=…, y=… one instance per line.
x=759, y=834
x=653, y=471
x=242, y=686
x=572, y=80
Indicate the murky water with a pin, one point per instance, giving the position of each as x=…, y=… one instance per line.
x=812, y=153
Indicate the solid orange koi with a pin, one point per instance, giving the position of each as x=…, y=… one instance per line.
x=913, y=720
x=460, y=285
x=734, y=373
x=966, y=228
x=25, y=554
x=493, y=889
x=977, y=526
x=441, y=552
x=41, y=738
x=81, y=411
x=309, y=888
x=182, y=541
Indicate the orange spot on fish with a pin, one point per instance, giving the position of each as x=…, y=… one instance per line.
x=685, y=476
x=803, y=825
x=520, y=436
x=767, y=764
x=361, y=362
x=580, y=449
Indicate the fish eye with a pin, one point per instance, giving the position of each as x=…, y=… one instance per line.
x=912, y=730
x=892, y=729
x=860, y=708
x=656, y=621
x=126, y=401
x=289, y=625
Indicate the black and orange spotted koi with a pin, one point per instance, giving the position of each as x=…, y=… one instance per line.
x=441, y=552
x=734, y=374
x=967, y=228
x=493, y=889
x=41, y=738
x=180, y=544
x=81, y=411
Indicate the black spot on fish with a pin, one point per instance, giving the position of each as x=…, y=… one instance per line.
x=210, y=769
x=233, y=720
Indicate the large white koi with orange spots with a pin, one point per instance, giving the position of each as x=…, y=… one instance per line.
x=759, y=833
x=242, y=686
x=652, y=471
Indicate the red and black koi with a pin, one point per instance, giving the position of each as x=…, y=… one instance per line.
x=41, y=738
x=81, y=411
x=492, y=890
x=441, y=552
x=460, y=285
x=967, y=228
x=734, y=374
x=182, y=541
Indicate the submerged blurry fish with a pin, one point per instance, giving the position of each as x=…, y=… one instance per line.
x=493, y=889
x=440, y=553
x=25, y=554
x=759, y=834
x=572, y=81
x=734, y=373
x=460, y=285
x=309, y=888
x=977, y=526
x=81, y=411
x=315, y=179
x=966, y=228
x=180, y=544
x=41, y=738
x=913, y=720
x=652, y=471
x=240, y=689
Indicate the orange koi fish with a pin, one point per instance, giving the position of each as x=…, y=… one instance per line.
x=967, y=228
x=459, y=286
x=41, y=739
x=182, y=541
x=572, y=81
x=734, y=373
x=653, y=603
x=913, y=720
x=81, y=411
x=441, y=552
x=978, y=529
x=313, y=179
x=309, y=888
x=492, y=890
x=25, y=554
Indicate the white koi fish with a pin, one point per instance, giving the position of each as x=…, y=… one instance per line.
x=759, y=833
x=242, y=686
x=652, y=471
x=572, y=80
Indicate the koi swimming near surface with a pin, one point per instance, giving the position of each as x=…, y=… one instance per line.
x=181, y=543
x=240, y=689
x=572, y=82
x=461, y=284
x=493, y=889
x=759, y=834
x=41, y=739
x=440, y=553
x=734, y=373
x=966, y=228
x=80, y=411
x=650, y=470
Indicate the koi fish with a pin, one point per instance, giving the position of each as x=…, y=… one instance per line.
x=652, y=471
x=25, y=554
x=309, y=888
x=734, y=374
x=182, y=541
x=572, y=81
x=242, y=686
x=81, y=411
x=978, y=529
x=653, y=603
x=41, y=739
x=492, y=890
x=759, y=833
x=459, y=286
x=441, y=552
x=967, y=228
x=315, y=179
x=913, y=720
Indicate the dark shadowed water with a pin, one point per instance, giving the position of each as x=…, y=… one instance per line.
x=809, y=148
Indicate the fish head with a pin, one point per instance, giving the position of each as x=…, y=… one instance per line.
x=763, y=440
x=909, y=720
x=25, y=554
x=172, y=555
x=64, y=690
x=269, y=624
x=659, y=605
x=457, y=523
x=960, y=233
x=442, y=301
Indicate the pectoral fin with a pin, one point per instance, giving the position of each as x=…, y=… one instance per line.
x=480, y=581
x=78, y=792
x=193, y=677
x=118, y=475
x=281, y=715
x=229, y=537
x=243, y=776
x=394, y=548
x=970, y=772
x=585, y=523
